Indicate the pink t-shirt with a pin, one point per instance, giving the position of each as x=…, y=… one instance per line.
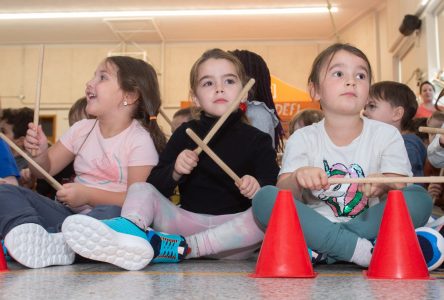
x=423, y=112
x=103, y=162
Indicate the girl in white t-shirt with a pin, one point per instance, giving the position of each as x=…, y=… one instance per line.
x=117, y=148
x=345, y=221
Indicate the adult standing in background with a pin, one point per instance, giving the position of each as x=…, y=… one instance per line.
x=427, y=94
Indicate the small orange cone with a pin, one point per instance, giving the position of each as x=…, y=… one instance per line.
x=397, y=254
x=3, y=265
x=284, y=252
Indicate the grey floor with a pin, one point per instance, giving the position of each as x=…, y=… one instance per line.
x=205, y=279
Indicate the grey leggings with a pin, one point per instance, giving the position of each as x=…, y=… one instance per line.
x=20, y=205
x=338, y=240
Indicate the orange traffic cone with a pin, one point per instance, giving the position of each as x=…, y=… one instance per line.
x=397, y=254
x=3, y=265
x=284, y=252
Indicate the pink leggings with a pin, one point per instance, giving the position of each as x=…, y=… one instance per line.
x=146, y=206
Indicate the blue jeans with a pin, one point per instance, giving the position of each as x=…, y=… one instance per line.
x=20, y=205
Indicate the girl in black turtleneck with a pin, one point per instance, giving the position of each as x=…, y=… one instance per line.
x=208, y=196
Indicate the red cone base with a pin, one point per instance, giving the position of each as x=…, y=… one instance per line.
x=397, y=254
x=3, y=265
x=284, y=252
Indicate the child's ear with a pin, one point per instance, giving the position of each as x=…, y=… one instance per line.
x=131, y=97
x=398, y=113
x=312, y=90
x=194, y=99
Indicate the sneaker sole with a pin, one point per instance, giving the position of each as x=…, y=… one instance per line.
x=32, y=246
x=95, y=240
x=436, y=243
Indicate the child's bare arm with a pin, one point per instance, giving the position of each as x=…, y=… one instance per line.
x=303, y=178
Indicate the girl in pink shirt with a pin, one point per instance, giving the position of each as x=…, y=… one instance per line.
x=118, y=148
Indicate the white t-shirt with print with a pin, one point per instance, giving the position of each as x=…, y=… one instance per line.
x=378, y=149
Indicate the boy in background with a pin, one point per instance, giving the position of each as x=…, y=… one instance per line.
x=395, y=103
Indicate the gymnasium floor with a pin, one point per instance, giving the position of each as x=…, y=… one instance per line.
x=205, y=279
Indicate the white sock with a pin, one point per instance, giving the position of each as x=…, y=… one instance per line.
x=199, y=245
x=363, y=253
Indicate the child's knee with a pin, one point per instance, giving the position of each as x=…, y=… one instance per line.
x=418, y=194
x=419, y=202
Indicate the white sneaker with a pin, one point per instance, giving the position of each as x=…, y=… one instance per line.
x=32, y=246
x=116, y=241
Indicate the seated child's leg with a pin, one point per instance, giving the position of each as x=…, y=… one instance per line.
x=321, y=235
x=116, y=241
x=103, y=212
x=139, y=205
x=146, y=207
x=419, y=203
x=32, y=246
x=238, y=234
x=26, y=222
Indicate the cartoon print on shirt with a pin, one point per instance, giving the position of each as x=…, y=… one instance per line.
x=344, y=199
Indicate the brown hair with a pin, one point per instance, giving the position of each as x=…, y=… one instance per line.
x=137, y=76
x=324, y=59
x=78, y=112
x=307, y=116
x=215, y=54
x=424, y=83
x=397, y=94
x=18, y=118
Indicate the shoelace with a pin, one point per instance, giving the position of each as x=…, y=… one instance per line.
x=168, y=248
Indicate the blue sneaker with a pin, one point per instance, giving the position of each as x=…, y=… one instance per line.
x=432, y=246
x=168, y=248
x=116, y=241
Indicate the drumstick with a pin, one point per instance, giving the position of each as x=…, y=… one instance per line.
x=432, y=130
x=231, y=108
x=425, y=179
x=38, y=91
x=54, y=183
x=164, y=115
x=212, y=155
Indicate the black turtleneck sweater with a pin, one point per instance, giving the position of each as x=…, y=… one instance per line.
x=245, y=149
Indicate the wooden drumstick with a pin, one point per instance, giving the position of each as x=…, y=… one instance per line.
x=231, y=108
x=212, y=155
x=38, y=91
x=432, y=130
x=425, y=179
x=54, y=183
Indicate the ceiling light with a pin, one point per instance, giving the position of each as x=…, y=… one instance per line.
x=164, y=13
